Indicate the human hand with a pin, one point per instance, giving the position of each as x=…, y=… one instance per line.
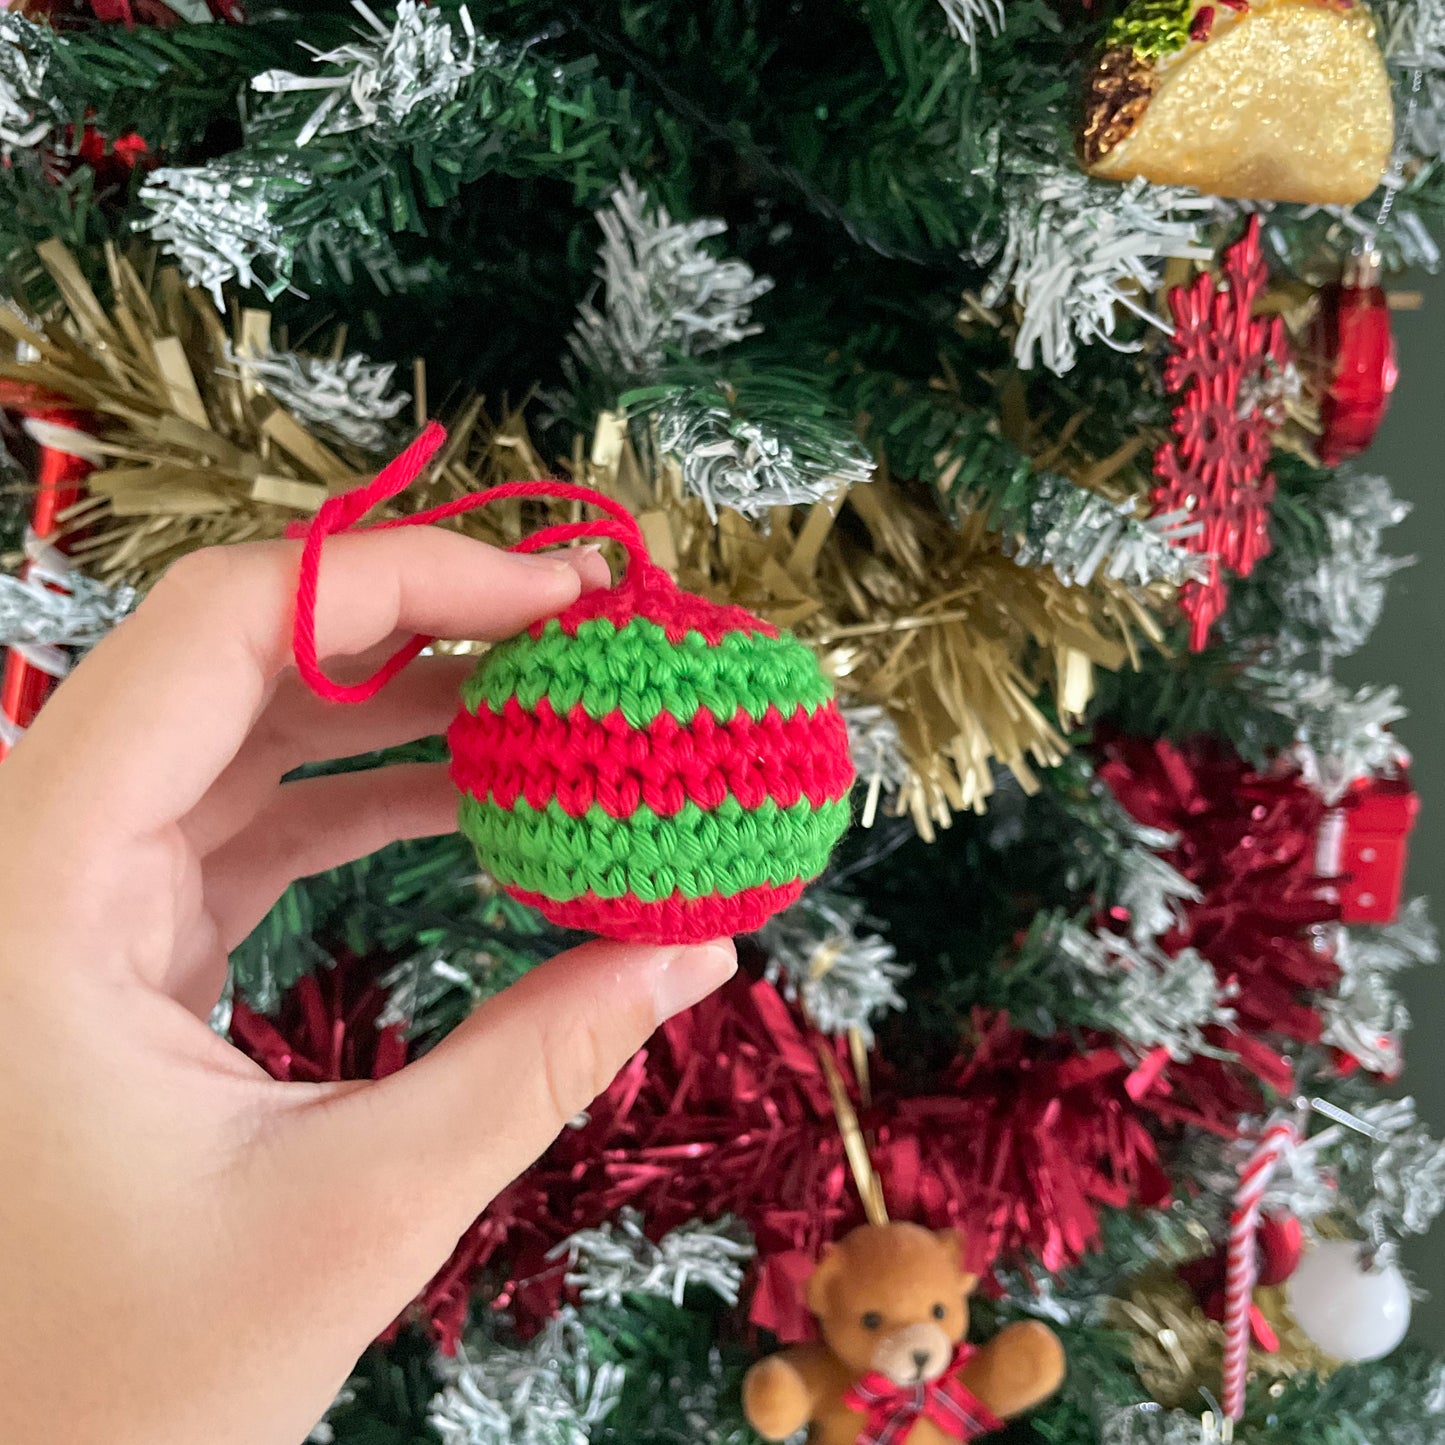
x=189, y=1250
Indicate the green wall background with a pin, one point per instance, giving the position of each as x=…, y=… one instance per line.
x=1409, y=649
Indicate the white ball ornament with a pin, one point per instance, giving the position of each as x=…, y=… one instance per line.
x=1351, y=1311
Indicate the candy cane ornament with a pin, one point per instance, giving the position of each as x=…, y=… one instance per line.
x=1242, y=1266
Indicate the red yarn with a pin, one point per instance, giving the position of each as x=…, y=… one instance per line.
x=579, y=761
x=653, y=596
x=340, y=514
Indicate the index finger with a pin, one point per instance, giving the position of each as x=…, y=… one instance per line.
x=135, y=736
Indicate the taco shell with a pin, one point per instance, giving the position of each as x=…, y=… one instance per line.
x=1286, y=101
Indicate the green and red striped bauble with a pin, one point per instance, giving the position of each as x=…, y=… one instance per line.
x=651, y=765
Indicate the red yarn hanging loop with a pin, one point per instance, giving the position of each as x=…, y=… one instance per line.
x=341, y=514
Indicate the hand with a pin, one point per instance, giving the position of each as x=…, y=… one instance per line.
x=189, y=1250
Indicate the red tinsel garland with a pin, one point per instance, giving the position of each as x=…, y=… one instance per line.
x=326, y=1029
x=726, y=1111
x=1247, y=841
x=59, y=484
x=1021, y=1141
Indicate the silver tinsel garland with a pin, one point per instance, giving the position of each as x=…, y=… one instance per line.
x=52, y=610
x=546, y=1392
x=618, y=1259
x=1381, y=1170
x=1408, y=1173
x=1135, y=990
x=970, y=20
x=56, y=606
x=418, y=982
x=821, y=953
x=1148, y=1423
x=1413, y=37
x=1300, y=1184
x=420, y=60
x=216, y=220
x=1078, y=252
x=1333, y=601
x=1344, y=594
x=1340, y=735
x=1366, y=1016
x=29, y=109
x=1082, y=535
x=1118, y=859
x=350, y=399
x=735, y=461
x=431, y=989
x=877, y=750
x=1169, y=1004
x=662, y=292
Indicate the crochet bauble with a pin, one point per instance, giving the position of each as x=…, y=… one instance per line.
x=651, y=765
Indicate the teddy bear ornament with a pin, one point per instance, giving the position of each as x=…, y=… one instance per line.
x=892, y=1366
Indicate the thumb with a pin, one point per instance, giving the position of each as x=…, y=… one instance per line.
x=418, y=1155
x=495, y=1093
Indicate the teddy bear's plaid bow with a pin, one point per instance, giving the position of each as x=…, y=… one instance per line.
x=894, y=1409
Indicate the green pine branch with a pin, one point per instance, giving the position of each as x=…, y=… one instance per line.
x=173, y=86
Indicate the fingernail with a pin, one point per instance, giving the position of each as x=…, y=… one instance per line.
x=547, y=563
x=688, y=974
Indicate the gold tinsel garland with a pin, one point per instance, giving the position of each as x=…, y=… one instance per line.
x=932, y=623
x=1179, y=1351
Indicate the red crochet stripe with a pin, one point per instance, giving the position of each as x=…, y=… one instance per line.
x=648, y=592
x=579, y=761
x=672, y=920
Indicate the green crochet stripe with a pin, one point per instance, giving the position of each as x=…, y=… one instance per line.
x=638, y=669
x=648, y=857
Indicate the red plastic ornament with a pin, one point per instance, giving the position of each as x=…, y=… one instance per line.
x=1364, y=843
x=1356, y=344
x=1279, y=1245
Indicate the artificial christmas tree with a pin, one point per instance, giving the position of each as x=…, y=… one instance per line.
x=1038, y=467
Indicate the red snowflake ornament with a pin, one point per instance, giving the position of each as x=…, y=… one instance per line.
x=1226, y=367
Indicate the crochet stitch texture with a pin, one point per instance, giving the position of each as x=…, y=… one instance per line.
x=651, y=765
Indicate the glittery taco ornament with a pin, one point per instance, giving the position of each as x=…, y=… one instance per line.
x=1282, y=100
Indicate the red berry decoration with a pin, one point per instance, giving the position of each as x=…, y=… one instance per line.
x=1227, y=367
x=1356, y=345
